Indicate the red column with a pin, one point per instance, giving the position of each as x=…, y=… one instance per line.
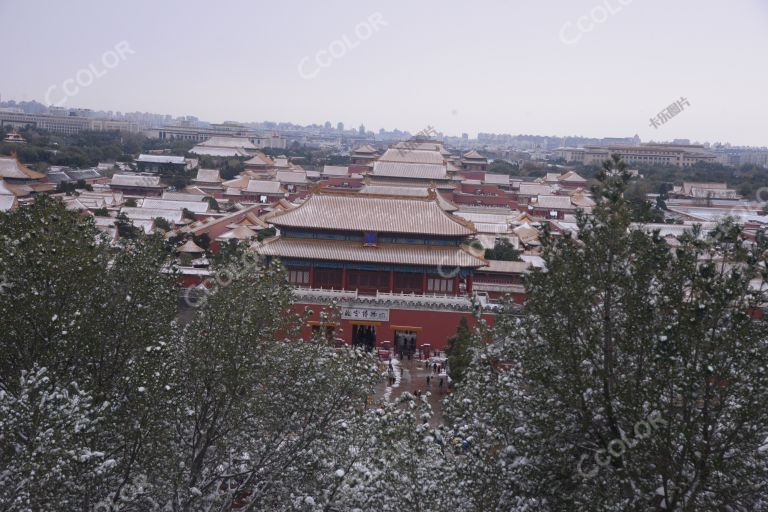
x=344, y=278
x=424, y=283
x=469, y=284
x=311, y=277
x=391, y=280
x=456, y=284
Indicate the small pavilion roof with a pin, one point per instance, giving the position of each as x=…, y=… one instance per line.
x=190, y=247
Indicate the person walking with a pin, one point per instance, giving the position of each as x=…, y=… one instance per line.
x=429, y=378
x=441, y=384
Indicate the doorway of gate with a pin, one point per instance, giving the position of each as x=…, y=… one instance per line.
x=405, y=342
x=364, y=335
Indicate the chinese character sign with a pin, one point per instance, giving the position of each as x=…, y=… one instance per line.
x=350, y=313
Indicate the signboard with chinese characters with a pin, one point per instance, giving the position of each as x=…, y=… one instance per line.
x=370, y=314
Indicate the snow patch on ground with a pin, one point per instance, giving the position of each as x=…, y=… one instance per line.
x=398, y=375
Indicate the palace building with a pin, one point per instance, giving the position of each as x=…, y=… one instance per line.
x=398, y=265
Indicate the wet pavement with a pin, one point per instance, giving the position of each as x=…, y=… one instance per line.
x=411, y=376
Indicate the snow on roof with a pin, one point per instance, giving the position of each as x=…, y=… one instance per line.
x=496, y=179
x=163, y=204
x=172, y=216
x=190, y=247
x=208, y=176
x=181, y=196
x=161, y=159
x=335, y=170
x=264, y=187
x=7, y=202
x=12, y=168
x=130, y=180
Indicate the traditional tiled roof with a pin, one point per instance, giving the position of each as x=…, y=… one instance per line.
x=336, y=250
x=393, y=190
x=571, y=176
x=83, y=174
x=162, y=204
x=414, y=156
x=239, y=182
x=365, y=148
x=291, y=177
x=229, y=142
x=264, y=187
x=582, y=199
x=190, y=247
x=107, y=198
x=496, y=179
x=260, y=159
x=172, y=216
x=534, y=189
x=129, y=180
x=5, y=190
x=8, y=202
x=12, y=168
x=527, y=233
x=239, y=233
x=383, y=214
x=181, y=196
x=208, y=176
x=335, y=170
x=282, y=161
x=408, y=170
x=220, y=152
x=561, y=202
x=161, y=159
x=473, y=155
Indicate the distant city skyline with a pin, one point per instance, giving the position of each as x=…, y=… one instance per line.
x=589, y=68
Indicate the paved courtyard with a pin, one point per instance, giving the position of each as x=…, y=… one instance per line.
x=411, y=376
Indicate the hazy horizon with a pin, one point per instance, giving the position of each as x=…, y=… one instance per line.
x=488, y=67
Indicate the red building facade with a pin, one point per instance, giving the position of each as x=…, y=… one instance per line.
x=398, y=267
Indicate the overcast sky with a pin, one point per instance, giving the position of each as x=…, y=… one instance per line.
x=549, y=67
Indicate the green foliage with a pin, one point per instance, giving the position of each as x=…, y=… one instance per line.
x=125, y=228
x=265, y=233
x=503, y=251
x=503, y=167
x=83, y=149
x=747, y=179
x=162, y=223
x=458, y=351
x=186, y=214
x=619, y=330
x=214, y=205
x=75, y=320
x=101, y=212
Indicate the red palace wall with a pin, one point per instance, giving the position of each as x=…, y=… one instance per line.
x=433, y=327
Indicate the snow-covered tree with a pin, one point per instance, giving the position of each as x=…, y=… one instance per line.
x=637, y=380
x=252, y=408
x=46, y=434
x=393, y=460
x=93, y=319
